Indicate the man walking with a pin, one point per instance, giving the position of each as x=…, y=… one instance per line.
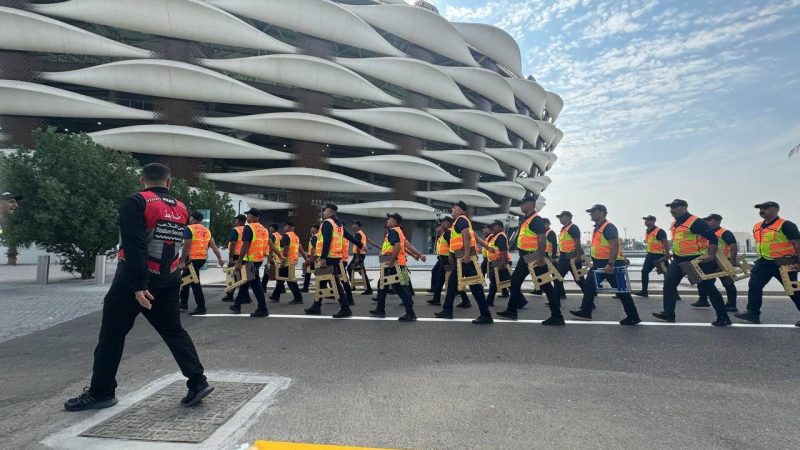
x=569, y=247
x=196, y=241
x=657, y=249
x=360, y=255
x=312, y=256
x=235, y=247
x=394, y=248
x=256, y=243
x=290, y=243
x=730, y=249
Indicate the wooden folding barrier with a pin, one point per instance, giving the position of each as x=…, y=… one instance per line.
x=322, y=275
x=191, y=278
x=545, y=278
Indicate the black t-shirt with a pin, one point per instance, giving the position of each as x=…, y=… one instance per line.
x=551, y=236
x=461, y=224
x=393, y=237
x=247, y=234
x=610, y=232
x=501, y=242
x=285, y=241
x=660, y=236
x=727, y=237
x=574, y=232
x=699, y=227
x=537, y=225
x=789, y=229
x=234, y=235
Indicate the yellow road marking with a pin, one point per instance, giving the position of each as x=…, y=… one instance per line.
x=273, y=445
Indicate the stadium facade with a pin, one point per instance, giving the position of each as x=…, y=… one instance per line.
x=378, y=106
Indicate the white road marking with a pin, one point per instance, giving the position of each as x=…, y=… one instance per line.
x=497, y=320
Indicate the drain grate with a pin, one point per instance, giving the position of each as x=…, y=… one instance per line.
x=161, y=418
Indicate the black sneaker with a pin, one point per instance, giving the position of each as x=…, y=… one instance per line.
x=351, y=303
x=581, y=314
x=183, y=307
x=88, y=400
x=376, y=313
x=434, y=302
x=313, y=311
x=723, y=321
x=235, y=309
x=505, y=294
x=731, y=308
x=641, y=294
x=748, y=316
x=464, y=305
x=374, y=299
x=260, y=313
x=700, y=305
x=342, y=313
x=227, y=299
x=554, y=321
x=407, y=318
x=483, y=320
x=507, y=315
x=630, y=321
x=194, y=397
x=537, y=292
x=523, y=304
x=443, y=315
x=369, y=292
x=198, y=312
x=665, y=317
x=797, y=324
x=274, y=299
x=246, y=302
x=297, y=301
x=305, y=291
x=563, y=297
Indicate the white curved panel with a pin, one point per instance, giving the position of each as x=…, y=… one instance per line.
x=516, y=158
x=547, y=131
x=303, y=126
x=301, y=179
x=248, y=202
x=480, y=122
x=543, y=160
x=485, y=82
x=536, y=184
x=182, y=141
x=409, y=210
x=412, y=74
x=557, y=139
x=320, y=18
x=408, y=121
x=554, y=105
x=531, y=94
x=494, y=43
x=402, y=166
x=171, y=79
x=184, y=19
x=469, y=196
x=468, y=159
x=307, y=72
x=508, y=189
x=522, y=126
x=492, y=217
x=20, y=98
x=419, y=26
x=26, y=31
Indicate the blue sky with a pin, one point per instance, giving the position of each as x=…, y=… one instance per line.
x=691, y=99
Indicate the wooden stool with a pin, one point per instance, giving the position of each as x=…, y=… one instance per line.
x=786, y=266
x=662, y=266
x=502, y=275
x=545, y=278
x=234, y=279
x=358, y=268
x=322, y=274
x=290, y=276
x=580, y=272
x=696, y=275
x=466, y=281
x=191, y=278
x=343, y=273
x=387, y=278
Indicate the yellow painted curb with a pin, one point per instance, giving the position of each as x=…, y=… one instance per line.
x=273, y=445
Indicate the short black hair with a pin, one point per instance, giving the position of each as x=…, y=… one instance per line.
x=316, y=225
x=290, y=223
x=156, y=172
x=197, y=215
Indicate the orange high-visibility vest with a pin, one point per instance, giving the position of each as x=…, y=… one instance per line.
x=566, y=243
x=686, y=243
x=726, y=249
x=335, y=250
x=259, y=243
x=653, y=244
x=363, y=239
x=549, y=245
x=237, y=246
x=771, y=241
x=198, y=246
x=601, y=247
x=496, y=255
x=442, y=246
x=457, y=240
x=294, y=247
x=345, y=250
x=387, y=248
x=527, y=239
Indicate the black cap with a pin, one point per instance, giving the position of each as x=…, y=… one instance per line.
x=498, y=223
x=396, y=217
x=357, y=222
x=253, y=212
x=461, y=205
x=546, y=220
x=332, y=206
x=273, y=225
x=197, y=215
x=10, y=196
x=564, y=213
x=447, y=219
x=764, y=205
x=488, y=225
x=290, y=223
x=598, y=208
x=241, y=217
x=650, y=217
x=716, y=217
x=530, y=197
x=677, y=202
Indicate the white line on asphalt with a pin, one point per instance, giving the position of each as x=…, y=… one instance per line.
x=526, y=321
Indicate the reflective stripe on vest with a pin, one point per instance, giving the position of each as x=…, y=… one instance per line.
x=492, y=243
x=312, y=247
x=726, y=249
x=164, y=223
x=771, y=242
x=527, y=240
x=549, y=245
x=686, y=243
x=601, y=247
x=198, y=246
x=484, y=250
x=337, y=236
x=259, y=244
x=237, y=247
x=566, y=243
x=653, y=244
x=387, y=248
x=294, y=247
x=457, y=240
x=363, y=238
x=442, y=246
x=345, y=250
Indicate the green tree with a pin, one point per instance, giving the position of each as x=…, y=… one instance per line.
x=205, y=196
x=72, y=188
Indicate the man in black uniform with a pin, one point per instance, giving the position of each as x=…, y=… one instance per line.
x=147, y=281
x=569, y=244
x=255, y=241
x=498, y=241
x=235, y=247
x=442, y=261
x=359, y=257
x=727, y=241
x=273, y=254
x=657, y=249
x=312, y=245
x=551, y=249
x=291, y=248
x=394, y=248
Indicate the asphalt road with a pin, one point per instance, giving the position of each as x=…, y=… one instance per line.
x=453, y=385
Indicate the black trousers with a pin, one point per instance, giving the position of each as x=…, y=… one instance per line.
x=255, y=286
x=438, y=281
x=120, y=310
x=492, y=286
x=293, y=287
x=358, y=260
x=673, y=278
x=342, y=288
x=730, y=291
x=197, y=288
x=402, y=291
x=763, y=271
x=590, y=289
x=647, y=267
x=563, y=266
x=265, y=280
x=476, y=289
x=518, y=277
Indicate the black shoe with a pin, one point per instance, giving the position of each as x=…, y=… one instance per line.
x=247, y=302
x=374, y=299
x=581, y=314
x=483, y=320
x=700, y=305
x=273, y=299
x=198, y=312
x=376, y=313
x=183, y=307
x=748, y=316
x=722, y=321
x=227, y=299
x=407, y=318
x=630, y=321
x=305, y=291
x=194, y=397
x=313, y=311
x=88, y=400
x=443, y=315
x=464, y=305
x=297, y=301
x=554, y=321
x=537, y=292
x=731, y=308
x=507, y=315
x=342, y=313
x=434, y=302
x=369, y=292
x=505, y=294
x=235, y=309
x=351, y=303
x=665, y=317
x=641, y=294
x=260, y=313
x=523, y=305
x=797, y=324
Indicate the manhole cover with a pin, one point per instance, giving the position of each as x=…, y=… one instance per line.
x=160, y=417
